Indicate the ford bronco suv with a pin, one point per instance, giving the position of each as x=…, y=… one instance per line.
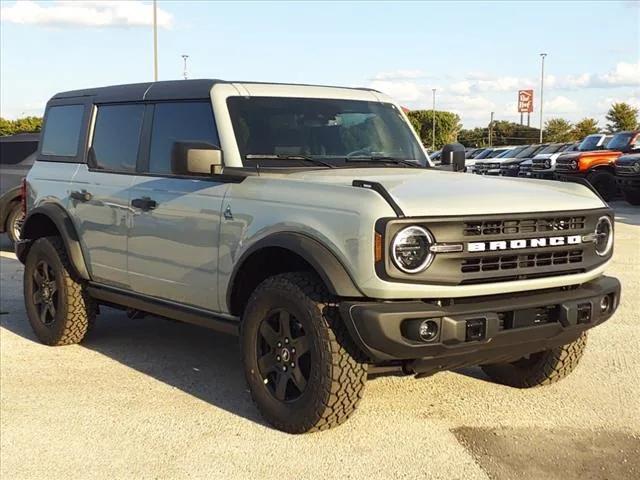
x=627, y=168
x=309, y=221
x=597, y=166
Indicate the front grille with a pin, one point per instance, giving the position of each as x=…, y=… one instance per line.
x=539, y=165
x=563, y=165
x=510, y=262
x=626, y=170
x=529, y=225
x=524, y=169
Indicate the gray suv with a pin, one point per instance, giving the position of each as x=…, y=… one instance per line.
x=310, y=222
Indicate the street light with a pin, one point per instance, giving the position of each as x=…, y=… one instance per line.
x=433, y=121
x=542, y=56
x=185, y=58
x=155, y=41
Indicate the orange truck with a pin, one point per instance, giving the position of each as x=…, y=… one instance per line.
x=597, y=166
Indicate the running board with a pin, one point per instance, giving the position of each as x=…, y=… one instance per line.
x=164, y=308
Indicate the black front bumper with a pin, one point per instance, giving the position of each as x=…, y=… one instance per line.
x=501, y=326
x=628, y=182
x=543, y=174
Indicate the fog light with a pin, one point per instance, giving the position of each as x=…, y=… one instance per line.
x=428, y=330
x=605, y=304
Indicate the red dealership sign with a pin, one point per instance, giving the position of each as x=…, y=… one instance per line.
x=525, y=101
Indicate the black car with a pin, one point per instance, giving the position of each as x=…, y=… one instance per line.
x=511, y=168
x=17, y=154
x=627, y=170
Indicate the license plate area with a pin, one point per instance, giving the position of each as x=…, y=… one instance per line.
x=531, y=317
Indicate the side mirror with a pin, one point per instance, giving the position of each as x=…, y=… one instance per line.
x=196, y=158
x=453, y=157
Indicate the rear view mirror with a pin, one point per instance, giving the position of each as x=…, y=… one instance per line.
x=453, y=157
x=196, y=158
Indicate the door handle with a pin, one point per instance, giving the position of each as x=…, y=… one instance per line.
x=81, y=196
x=145, y=203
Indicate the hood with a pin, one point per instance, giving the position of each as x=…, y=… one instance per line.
x=433, y=192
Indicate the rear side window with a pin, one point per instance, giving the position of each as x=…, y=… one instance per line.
x=62, y=131
x=173, y=122
x=116, y=137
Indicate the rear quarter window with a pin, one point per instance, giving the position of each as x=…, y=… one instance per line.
x=62, y=128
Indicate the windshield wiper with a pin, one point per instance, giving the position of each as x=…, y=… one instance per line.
x=270, y=156
x=382, y=159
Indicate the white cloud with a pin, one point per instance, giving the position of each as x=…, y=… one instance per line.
x=461, y=88
x=86, y=13
x=559, y=105
x=402, y=91
x=400, y=75
x=623, y=75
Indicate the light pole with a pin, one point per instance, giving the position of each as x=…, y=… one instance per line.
x=542, y=56
x=155, y=41
x=491, y=130
x=185, y=58
x=433, y=121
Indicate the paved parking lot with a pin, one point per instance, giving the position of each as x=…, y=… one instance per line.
x=152, y=398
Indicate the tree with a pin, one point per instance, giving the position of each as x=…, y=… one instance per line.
x=510, y=133
x=584, y=127
x=447, y=126
x=558, y=130
x=622, y=116
x=20, y=125
x=477, y=137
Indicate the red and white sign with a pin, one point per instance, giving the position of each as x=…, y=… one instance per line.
x=525, y=101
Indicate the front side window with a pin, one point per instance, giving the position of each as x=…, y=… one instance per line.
x=116, y=137
x=62, y=131
x=179, y=122
x=620, y=141
x=331, y=130
x=589, y=143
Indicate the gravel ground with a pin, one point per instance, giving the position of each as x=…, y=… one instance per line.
x=151, y=398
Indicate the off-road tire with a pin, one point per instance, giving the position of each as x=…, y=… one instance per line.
x=605, y=184
x=542, y=368
x=14, y=218
x=632, y=197
x=337, y=373
x=74, y=309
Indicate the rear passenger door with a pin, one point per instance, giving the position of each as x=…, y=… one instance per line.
x=100, y=191
x=175, y=223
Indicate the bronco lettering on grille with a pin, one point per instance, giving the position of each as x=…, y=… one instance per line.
x=524, y=243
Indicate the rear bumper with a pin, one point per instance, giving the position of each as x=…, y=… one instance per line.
x=481, y=329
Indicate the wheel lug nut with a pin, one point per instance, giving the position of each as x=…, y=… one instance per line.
x=293, y=365
x=293, y=350
x=284, y=368
x=279, y=344
x=286, y=340
x=278, y=357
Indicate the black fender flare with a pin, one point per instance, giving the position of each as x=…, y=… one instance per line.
x=31, y=230
x=7, y=199
x=331, y=271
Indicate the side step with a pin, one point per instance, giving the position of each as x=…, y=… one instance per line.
x=121, y=298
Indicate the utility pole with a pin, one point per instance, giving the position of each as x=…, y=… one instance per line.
x=491, y=130
x=433, y=121
x=542, y=56
x=185, y=58
x=155, y=41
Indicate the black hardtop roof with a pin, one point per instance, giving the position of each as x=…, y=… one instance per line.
x=153, y=91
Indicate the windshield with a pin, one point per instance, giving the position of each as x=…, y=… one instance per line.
x=589, y=143
x=506, y=153
x=497, y=152
x=620, y=141
x=527, y=151
x=514, y=152
x=285, y=129
x=553, y=148
x=485, y=153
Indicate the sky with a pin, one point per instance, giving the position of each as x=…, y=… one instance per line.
x=476, y=54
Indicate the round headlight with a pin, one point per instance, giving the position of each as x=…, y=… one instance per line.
x=603, y=236
x=636, y=167
x=410, y=249
x=547, y=163
x=573, y=164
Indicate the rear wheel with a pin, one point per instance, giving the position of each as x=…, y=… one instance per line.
x=299, y=362
x=605, y=183
x=542, y=368
x=59, y=309
x=633, y=197
x=15, y=220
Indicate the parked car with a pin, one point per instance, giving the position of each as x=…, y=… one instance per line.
x=524, y=170
x=476, y=152
x=482, y=161
x=627, y=170
x=596, y=141
x=597, y=166
x=492, y=166
x=470, y=163
x=511, y=168
x=16, y=158
x=221, y=204
x=543, y=165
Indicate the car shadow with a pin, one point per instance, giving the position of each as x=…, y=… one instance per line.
x=626, y=213
x=197, y=361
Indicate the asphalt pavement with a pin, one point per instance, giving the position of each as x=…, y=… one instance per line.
x=151, y=398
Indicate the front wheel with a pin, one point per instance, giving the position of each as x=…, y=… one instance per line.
x=541, y=368
x=605, y=184
x=299, y=361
